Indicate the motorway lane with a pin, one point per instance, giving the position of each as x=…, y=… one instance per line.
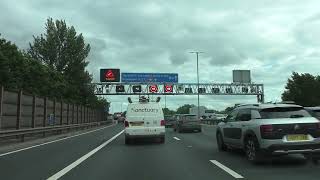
x=293, y=167
x=145, y=160
x=43, y=161
x=187, y=158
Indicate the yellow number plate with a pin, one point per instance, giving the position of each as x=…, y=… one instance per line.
x=298, y=137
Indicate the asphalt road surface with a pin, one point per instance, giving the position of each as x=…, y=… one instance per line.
x=102, y=154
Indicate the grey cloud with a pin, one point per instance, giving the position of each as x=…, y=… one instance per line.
x=271, y=39
x=178, y=58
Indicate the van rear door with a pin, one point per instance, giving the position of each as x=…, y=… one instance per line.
x=144, y=114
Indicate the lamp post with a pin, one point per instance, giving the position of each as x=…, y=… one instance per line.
x=197, y=53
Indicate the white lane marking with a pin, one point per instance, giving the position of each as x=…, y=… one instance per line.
x=176, y=138
x=30, y=147
x=83, y=158
x=228, y=170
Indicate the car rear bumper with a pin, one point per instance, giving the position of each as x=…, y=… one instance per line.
x=294, y=148
x=191, y=127
x=144, y=136
x=145, y=131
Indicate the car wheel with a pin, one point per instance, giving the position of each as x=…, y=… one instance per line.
x=220, y=142
x=252, y=149
x=179, y=130
x=200, y=130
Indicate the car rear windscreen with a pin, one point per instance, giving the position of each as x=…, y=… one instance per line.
x=315, y=113
x=283, y=112
x=190, y=118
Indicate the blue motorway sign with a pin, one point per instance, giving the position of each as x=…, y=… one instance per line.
x=149, y=77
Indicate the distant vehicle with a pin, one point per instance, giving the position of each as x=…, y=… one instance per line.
x=121, y=119
x=263, y=130
x=187, y=122
x=144, y=120
x=169, y=121
x=314, y=111
x=203, y=112
x=116, y=115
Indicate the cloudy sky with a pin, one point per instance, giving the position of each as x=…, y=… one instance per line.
x=271, y=38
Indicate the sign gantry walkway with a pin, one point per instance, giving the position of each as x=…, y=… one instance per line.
x=180, y=89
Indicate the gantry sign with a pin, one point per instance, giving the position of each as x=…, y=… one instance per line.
x=174, y=88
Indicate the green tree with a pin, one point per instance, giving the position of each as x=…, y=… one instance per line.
x=303, y=89
x=168, y=112
x=228, y=110
x=61, y=49
x=185, y=109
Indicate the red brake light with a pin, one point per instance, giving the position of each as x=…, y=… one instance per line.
x=126, y=124
x=162, y=123
x=266, y=128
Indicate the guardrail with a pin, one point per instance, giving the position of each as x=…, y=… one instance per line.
x=28, y=131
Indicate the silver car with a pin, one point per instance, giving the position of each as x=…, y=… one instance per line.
x=314, y=111
x=262, y=130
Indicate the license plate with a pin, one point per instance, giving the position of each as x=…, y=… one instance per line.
x=298, y=137
x=136, y=123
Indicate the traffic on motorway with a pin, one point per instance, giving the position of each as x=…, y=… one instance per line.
x=274, y=139
x=159, y=90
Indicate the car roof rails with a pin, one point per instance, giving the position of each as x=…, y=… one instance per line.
x=240, y=105
x=284, y=102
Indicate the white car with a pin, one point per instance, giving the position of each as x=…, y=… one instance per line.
x=144, y=120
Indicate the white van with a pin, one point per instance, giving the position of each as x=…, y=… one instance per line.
x=144, y=120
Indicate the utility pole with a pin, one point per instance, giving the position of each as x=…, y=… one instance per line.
x=197, y=53
x=165, y=101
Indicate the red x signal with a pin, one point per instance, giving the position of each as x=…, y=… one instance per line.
x=168, y=88
x=153, y=88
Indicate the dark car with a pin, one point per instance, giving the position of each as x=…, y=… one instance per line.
x=169, y=121
x=187, y=122
x=117, y=116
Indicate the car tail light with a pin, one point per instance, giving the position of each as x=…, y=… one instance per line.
x=162, y=123
x=266, y=128
x=126, y=124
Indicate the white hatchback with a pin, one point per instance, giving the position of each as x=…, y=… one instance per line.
x=144, y=120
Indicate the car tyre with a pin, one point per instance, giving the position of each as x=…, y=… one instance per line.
x=221, y=145
x=252, y=150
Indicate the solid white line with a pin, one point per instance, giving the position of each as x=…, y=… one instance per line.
x=176, y=138
x=228, y=170
x=83, y=158
x=30, y=147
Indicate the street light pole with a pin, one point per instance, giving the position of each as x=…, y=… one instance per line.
x=197, y=53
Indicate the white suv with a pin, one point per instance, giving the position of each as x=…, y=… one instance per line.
x=270, y=129
x=144, y=120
